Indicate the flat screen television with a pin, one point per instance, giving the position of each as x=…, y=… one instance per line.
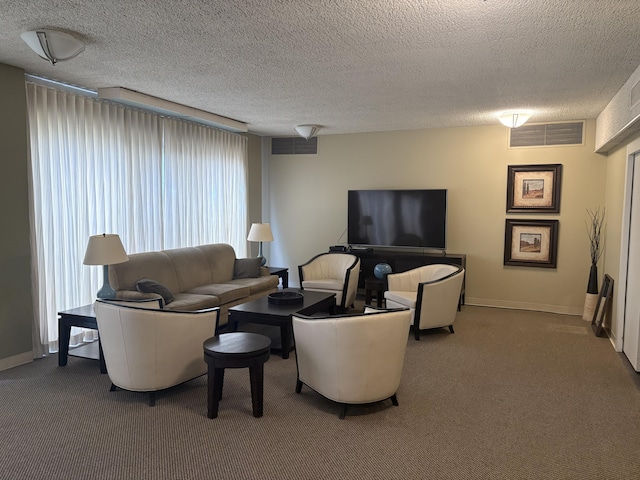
x=399, y=218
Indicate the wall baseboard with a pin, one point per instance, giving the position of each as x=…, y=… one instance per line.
x=15, y=361
x=536, y=307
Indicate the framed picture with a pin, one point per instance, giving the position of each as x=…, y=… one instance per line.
x=534, y=188
x=604, y=299
x=531, y=243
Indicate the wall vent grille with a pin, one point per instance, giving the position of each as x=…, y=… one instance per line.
x=547, y=135
x=294, y=146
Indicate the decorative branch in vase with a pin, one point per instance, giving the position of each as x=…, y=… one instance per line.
x=595, y=231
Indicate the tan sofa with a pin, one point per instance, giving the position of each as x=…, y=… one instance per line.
x=196, y=277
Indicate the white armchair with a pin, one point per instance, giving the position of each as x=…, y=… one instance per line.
x=147, y=349
x=432, y=293
x=332, y=273
x=352, y=359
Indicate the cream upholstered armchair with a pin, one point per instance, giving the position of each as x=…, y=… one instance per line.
x=332, y=273
x=352, y=359
x=147, y=349
x=431, y=292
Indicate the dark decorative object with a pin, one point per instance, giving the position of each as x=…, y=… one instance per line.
x=604, y=299
x=285, y=298
x=534, y=188
x=595, y=227
x=531, y=243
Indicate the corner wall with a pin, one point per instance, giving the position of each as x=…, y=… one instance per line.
x=308, y=204
x=16, y=305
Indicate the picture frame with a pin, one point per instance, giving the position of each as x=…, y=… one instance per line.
x=534, y=188
x=531, y=243
x=604, y=300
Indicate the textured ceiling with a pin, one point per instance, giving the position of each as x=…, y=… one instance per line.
x=349, y=65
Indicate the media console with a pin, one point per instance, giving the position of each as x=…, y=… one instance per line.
x=401, y=261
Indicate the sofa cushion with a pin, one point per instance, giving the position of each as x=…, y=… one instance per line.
x=224, y=292
x=191, y=267
x=247, y=267
x=190, y=302
x=258, y=285
x=221, y=258
x=408, y=299
x=155, y=265
x=146, y=285
x=323, y=284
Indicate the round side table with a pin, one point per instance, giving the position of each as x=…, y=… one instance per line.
x=235, y=350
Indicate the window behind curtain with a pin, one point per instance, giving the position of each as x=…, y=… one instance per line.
x=101, y=168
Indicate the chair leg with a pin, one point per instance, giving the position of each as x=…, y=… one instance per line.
x=416, y=333
x=298, y=386
x=113, y=388
x=152, y=399
x=451, y=329
x=394, y=399
x=343, y=411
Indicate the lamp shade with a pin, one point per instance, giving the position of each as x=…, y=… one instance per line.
x=307, y=131
x=105, y=249
x=260, y=232
x=52, y=45
x=514, y=119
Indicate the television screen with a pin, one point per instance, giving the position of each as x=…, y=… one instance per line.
x=402, y=218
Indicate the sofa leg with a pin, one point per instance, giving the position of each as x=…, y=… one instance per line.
x=113, y=388
x=416, y=333
x=451, y=329
x=394, y=399
x=298, y=386
x=152, y=399
x=343, y=411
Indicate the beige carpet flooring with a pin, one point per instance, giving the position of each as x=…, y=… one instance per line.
x=510, y=395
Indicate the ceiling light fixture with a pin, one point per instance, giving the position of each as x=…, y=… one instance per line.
x=52, y=45
x=307, y=131
x=514, y=119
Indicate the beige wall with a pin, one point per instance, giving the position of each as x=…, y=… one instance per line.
x=16, y=314
x=254, y=186
x=307, y=198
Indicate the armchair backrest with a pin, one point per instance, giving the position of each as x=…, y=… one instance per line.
x=352, y=358
x=437, y=300
x=408, y=281
x=148, y=349
x=343, y=267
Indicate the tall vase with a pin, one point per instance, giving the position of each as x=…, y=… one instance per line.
x=592, y=294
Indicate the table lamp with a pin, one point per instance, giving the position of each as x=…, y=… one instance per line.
x=260, y=232
x=105, y=250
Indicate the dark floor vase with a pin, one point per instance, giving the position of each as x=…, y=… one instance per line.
x=591, y=297
x=592, y=286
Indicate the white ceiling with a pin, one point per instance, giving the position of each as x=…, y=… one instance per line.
x=349, y=65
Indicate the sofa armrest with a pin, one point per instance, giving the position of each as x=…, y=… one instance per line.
x=264, y=271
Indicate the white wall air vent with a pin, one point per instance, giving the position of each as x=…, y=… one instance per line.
x=294, y=146
x=547, y=135
x=170, y=109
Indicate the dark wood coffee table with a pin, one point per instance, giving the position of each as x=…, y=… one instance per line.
x=262, y=312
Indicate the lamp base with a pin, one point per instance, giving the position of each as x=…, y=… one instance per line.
x=106, y=291
x=263, y=260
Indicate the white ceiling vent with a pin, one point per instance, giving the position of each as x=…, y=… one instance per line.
x=294, y=146
x=547, y=135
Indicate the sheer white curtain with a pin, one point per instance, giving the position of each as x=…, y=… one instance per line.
x=99, y=168
x=205, y=186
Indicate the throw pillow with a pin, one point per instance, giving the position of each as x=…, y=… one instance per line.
x=247, y=267
x=147, y=285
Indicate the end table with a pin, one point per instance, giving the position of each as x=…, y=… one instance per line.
x=77, y=317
